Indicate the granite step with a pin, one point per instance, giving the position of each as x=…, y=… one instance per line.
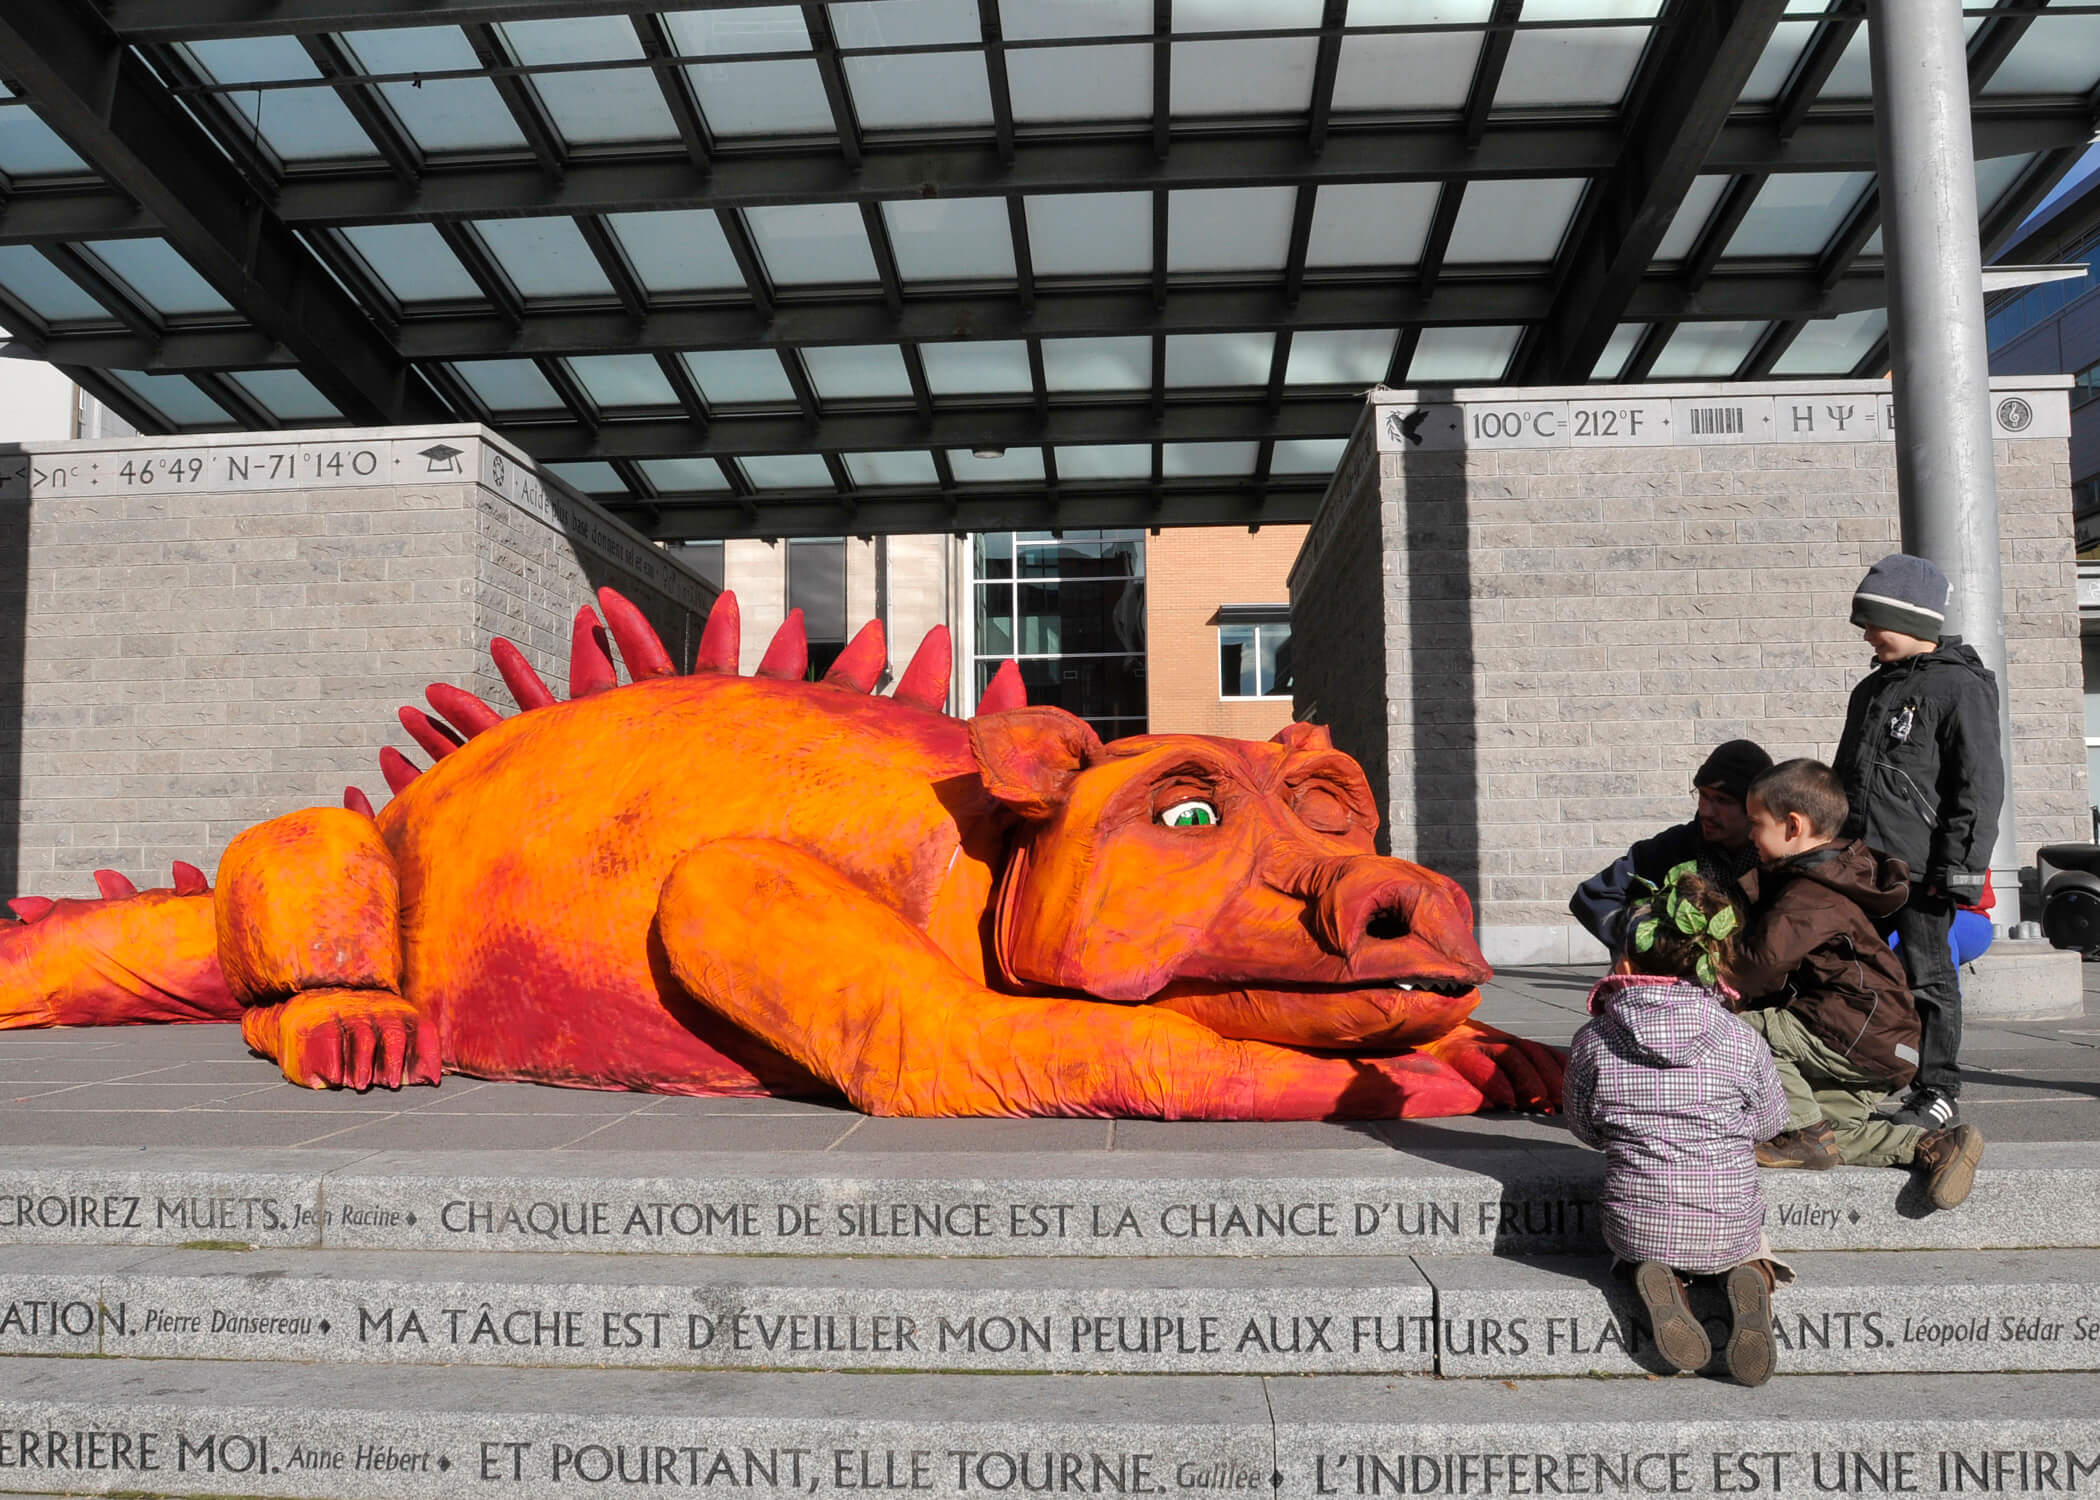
x=375, y=1433
x=1298, y=1315
x=1531, y=1200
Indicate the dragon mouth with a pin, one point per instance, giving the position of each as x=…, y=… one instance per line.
x=1449, y=988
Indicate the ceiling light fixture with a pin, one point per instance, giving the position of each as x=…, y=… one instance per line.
x=987, y=453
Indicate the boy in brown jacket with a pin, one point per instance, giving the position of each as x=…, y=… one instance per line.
x=1820, y=985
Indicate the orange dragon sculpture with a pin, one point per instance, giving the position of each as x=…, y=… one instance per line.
x=712, y=884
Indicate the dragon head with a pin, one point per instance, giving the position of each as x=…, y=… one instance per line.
x=1236, y=880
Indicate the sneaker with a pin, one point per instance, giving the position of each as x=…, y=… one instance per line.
x=1950, y=1157
x=1678, y=1337
x=1813, y=1147
x=1928, y=1108
x=1752, y=1353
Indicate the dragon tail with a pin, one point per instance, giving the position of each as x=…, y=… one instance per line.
x=126, y=958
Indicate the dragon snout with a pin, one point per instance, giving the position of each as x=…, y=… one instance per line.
x=1392, y=919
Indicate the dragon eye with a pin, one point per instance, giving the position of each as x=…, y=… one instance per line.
x=1191, y=814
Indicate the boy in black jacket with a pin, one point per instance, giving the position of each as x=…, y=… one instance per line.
x=1920, y=762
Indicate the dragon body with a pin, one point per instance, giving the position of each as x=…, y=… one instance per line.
x=710, y=884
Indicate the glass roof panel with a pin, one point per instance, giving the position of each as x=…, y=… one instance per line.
x=1617, y=350
x=1090, y=234
x=877, y=469
x=1192, y=460
x=1420, y=12
x=173, y=396
x=788, y=471
x=618, y=104
x=1015, y=464
x=904, y=23
x=544, y=257
x=1455, y=354
x=1371, y=223
x=412, y=261
x=506, y=385
x=1776, y=63
x=156, y=271
x=1575, y=65
x=1426, y=70
x=1042, y=20
x=1246, y=15
x=2056, y=55
x=30, y=148
x=622, y=380
x=1517, y=220
x=740, y=377
x=1229, y=229
x=298, y=126
x=1120, y=364
x=919, y=88
x=1707, y=350
x=1832, y=346
x=1700, y=200
x=857, y=370
x=966, y=369
x=591, y=478
x=1106, y=461
x=727, y=33
x=287, y=395
x=1796, y=213
x=1352, y=356
x=1213, y=359
x=673, y=475
x=677, y=250
x=1306, y=455
x=44, y=289
x=445, y=114
x=784, y=97
x=1262, y=76
x=951, y=239
x=1080, y=83
x=812, y=244
x=1996, y=174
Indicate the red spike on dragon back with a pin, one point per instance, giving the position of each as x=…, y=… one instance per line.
x=721, y=884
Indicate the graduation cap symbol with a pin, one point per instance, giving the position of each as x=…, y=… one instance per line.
x=444, y=459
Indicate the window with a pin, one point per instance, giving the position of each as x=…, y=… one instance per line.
x=817, y=587
x=2021, y=310
x=2085, y=386
x=707, y=560
x=1254, y=651
x=1070, y=609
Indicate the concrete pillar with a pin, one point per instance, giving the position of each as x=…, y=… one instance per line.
x=1947, y=486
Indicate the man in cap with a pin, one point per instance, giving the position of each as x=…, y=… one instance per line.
x=1920, y=763
x=1717, y=839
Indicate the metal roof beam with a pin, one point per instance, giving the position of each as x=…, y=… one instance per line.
x=1706, y=51
x=99, y=97
x=1762, y=293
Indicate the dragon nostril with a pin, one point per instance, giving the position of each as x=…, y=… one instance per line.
x=1386, y=923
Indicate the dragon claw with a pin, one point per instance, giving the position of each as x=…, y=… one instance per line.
x=354, y=1039
x=1510, y=1072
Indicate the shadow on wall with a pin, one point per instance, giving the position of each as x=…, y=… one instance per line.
x=14, y=610
x=1444, y=748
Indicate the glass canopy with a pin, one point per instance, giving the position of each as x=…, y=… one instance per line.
x=724, y=265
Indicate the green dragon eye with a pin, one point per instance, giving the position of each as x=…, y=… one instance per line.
x=1191, y=814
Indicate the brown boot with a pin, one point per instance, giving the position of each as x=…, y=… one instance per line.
x=1813, y=1147
x=1752, y=1352
x=1678, y=1337
x=1949, y=1157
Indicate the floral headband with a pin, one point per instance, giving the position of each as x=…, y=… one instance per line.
x=1669, y=904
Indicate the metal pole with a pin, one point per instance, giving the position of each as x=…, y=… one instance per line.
x=1946, y=483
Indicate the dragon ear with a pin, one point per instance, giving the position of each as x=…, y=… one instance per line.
x=1029, y=757
x=1302, y=736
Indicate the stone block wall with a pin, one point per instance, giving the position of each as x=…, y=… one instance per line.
x=201, y=633
x=1575, y=593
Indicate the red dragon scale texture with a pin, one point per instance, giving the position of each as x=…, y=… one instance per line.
x=714, y=884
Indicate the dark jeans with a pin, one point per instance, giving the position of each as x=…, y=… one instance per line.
x=1922, y=925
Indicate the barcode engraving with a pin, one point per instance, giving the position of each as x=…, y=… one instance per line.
x=1716, y=420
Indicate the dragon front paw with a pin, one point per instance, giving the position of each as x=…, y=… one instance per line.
x=325, y=1039
x=1510, y=1072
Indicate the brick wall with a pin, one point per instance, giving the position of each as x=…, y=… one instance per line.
x=1567, y=629
x=1188, y=574
x=213, y=631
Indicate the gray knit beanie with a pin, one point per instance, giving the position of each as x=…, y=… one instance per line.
x=1902, y=593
